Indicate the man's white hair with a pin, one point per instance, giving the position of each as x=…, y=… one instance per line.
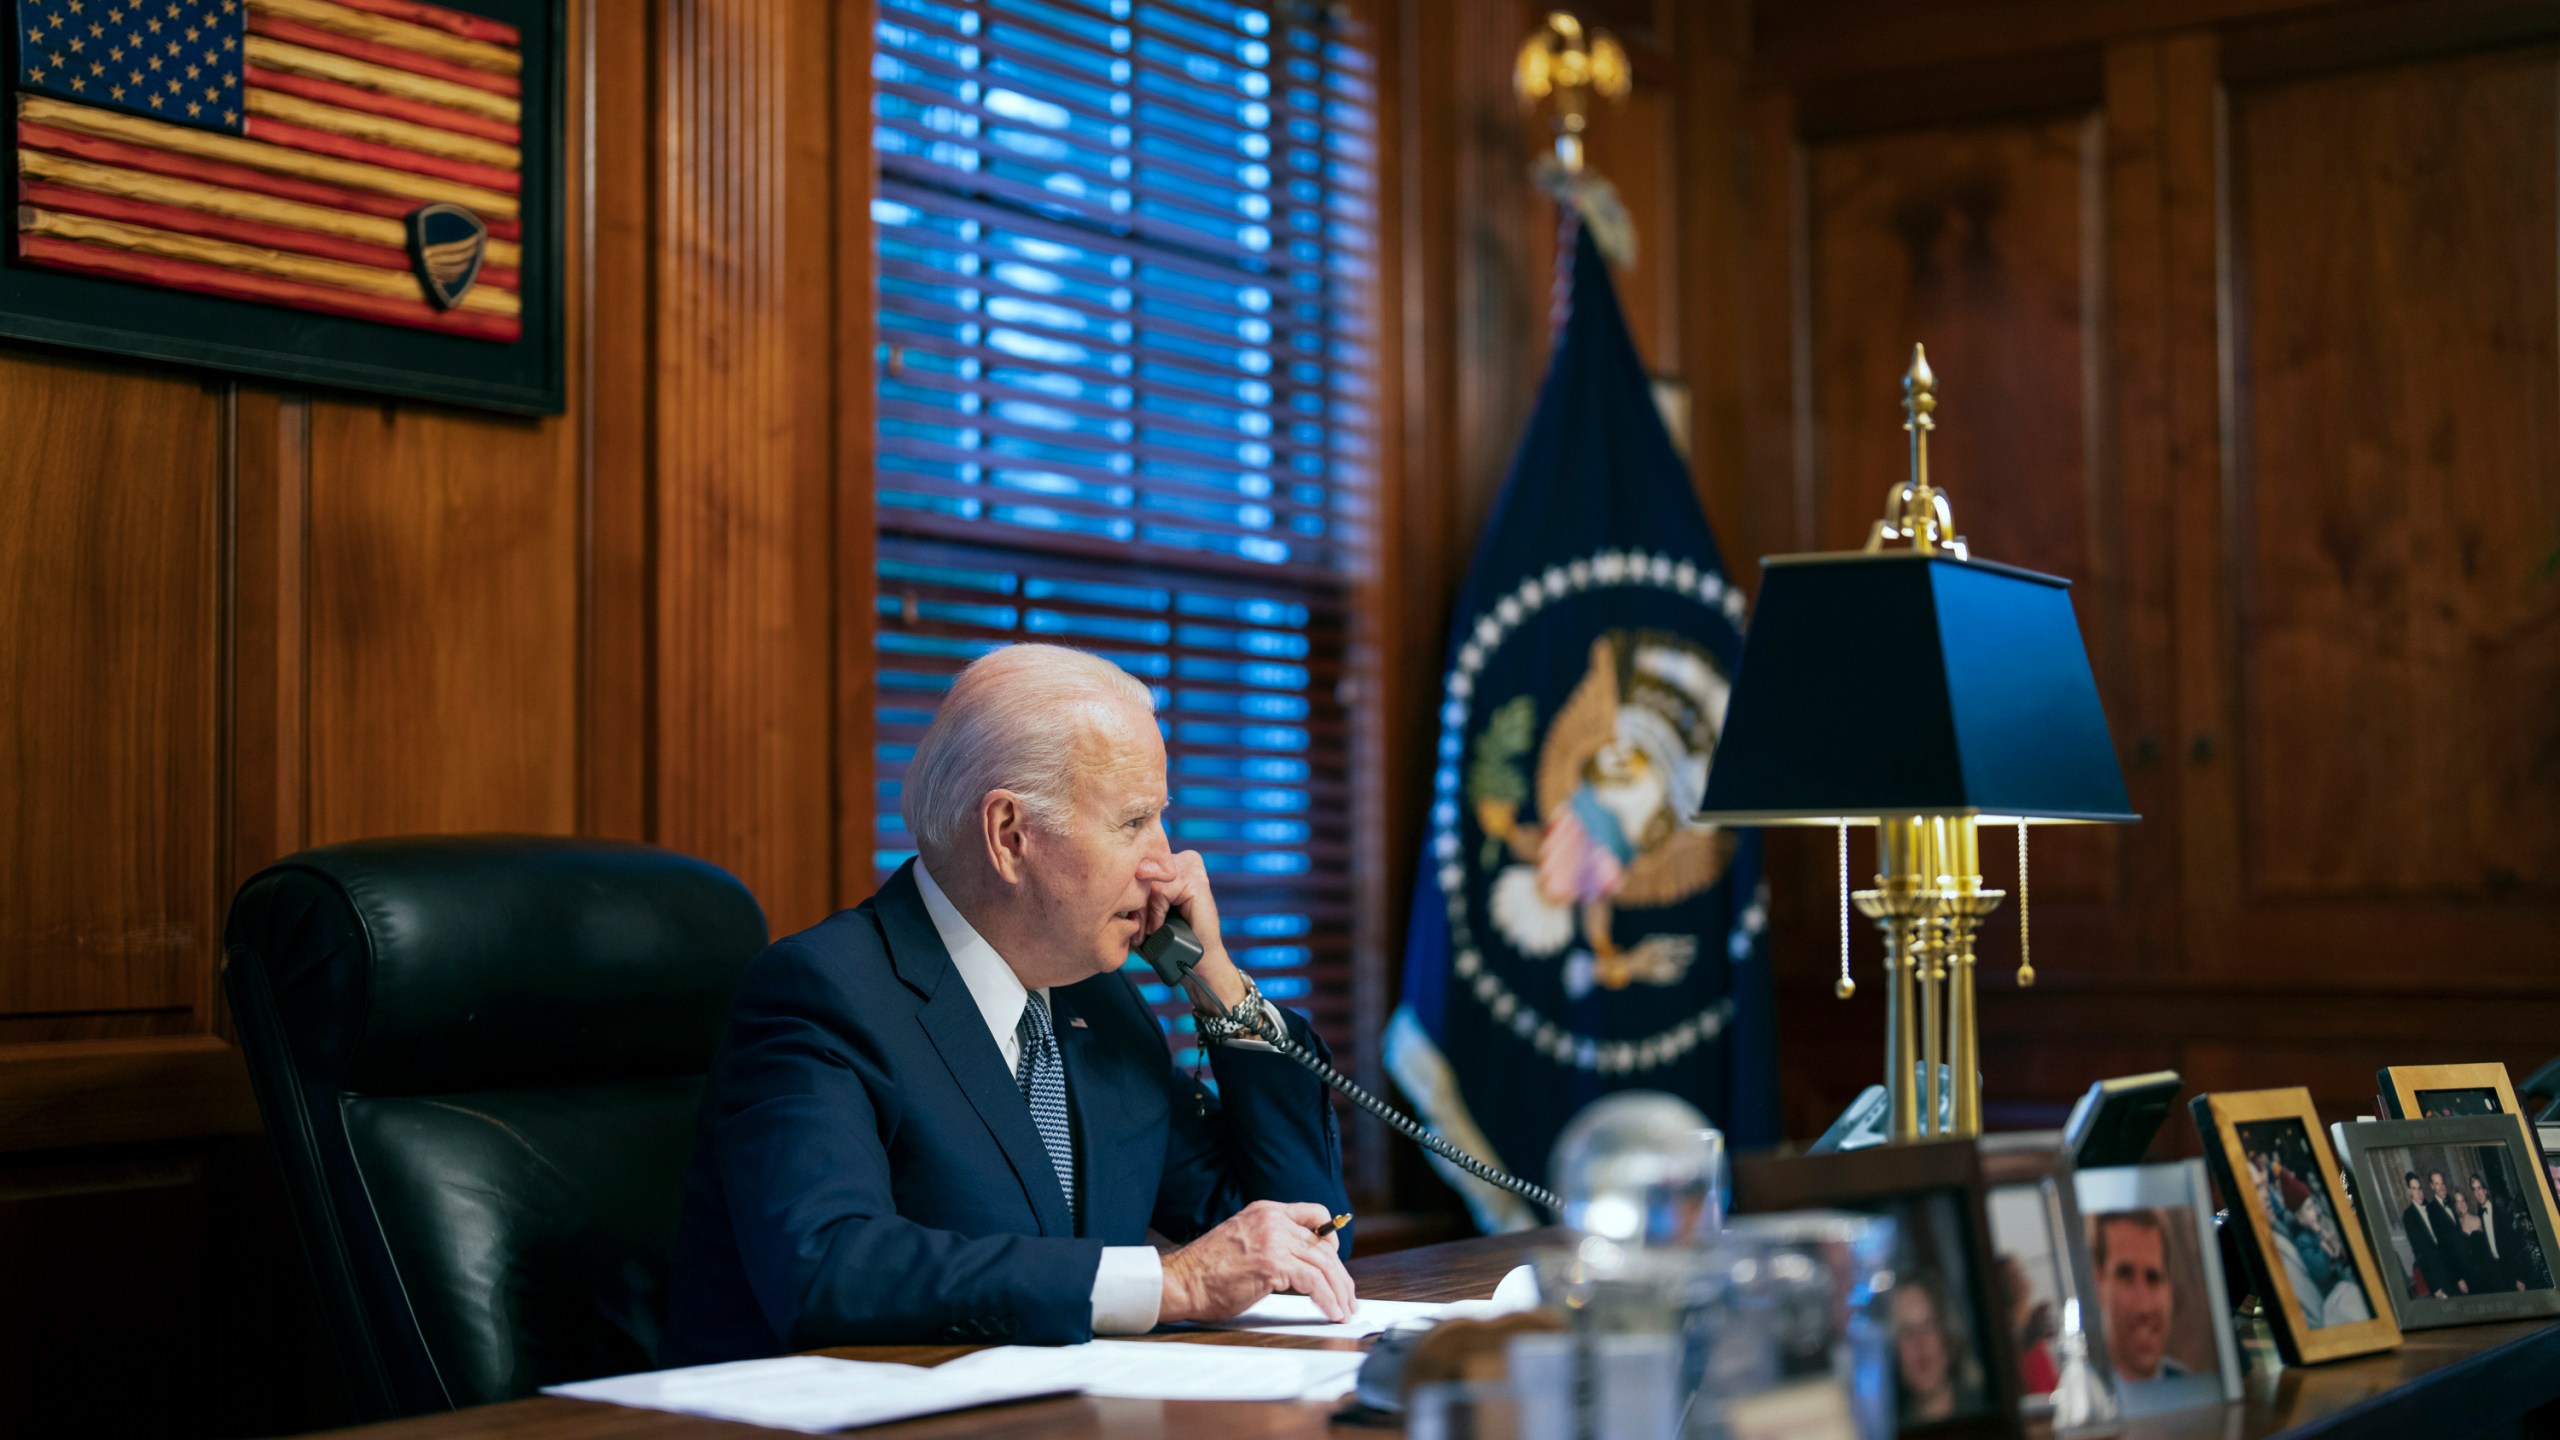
x=1016, y=719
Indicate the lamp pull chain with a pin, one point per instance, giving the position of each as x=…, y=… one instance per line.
x=2026, y=970
x=1847, y=987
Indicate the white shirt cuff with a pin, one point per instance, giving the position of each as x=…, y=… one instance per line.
x=1128, y=1290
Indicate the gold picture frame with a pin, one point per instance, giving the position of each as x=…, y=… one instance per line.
x=2241, y=1126
x=2403, y=1085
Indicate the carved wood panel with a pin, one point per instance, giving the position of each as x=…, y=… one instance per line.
x=2394, y=249
x=443, y=619
x=744, y=453
x=110, y=543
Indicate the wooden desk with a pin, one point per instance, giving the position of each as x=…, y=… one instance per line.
x=2439, y=1385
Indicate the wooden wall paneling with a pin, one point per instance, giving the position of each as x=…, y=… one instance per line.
x=613, y=357
x=62, y=1094
x=1386, y=719
x=265, y=789
x=1466, y=307
x=2192, y=423
x=443, y=621
x=745, y=518
x=1713, y=307
x=2394, y=238
x=110, y=596
x=857, y=574
x=2135, y=449
x=1802, y=40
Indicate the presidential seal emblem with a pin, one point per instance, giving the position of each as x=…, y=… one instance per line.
x=1566, y=855
x=1619, y=770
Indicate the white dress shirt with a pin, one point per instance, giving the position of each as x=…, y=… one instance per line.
x=1128, y=1289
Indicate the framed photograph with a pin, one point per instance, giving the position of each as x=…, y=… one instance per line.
x=2308, y=1262
x=1954, y=1373
x=2043, y=1288
x=2456, y=1214
x=2426, y=1092
x=350, y=193
x=2161, y=1300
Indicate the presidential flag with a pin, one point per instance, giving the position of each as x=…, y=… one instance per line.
x=351, y=157
x=1574, y=931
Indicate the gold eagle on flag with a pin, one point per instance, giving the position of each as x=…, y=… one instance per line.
x=1621, y=768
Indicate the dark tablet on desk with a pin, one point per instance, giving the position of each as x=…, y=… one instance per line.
x=2113, y=1123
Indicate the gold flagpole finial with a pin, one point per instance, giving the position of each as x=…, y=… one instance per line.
x=1563, y=62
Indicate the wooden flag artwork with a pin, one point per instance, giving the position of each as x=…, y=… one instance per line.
x=361, y=193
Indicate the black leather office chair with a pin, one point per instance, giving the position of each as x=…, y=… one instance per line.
x=478, y=1058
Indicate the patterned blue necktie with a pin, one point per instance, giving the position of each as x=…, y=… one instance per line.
x=1043, y=1076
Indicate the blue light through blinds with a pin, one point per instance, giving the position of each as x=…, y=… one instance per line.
x=1124, y=404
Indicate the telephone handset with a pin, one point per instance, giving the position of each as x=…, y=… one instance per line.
x=1175, y=950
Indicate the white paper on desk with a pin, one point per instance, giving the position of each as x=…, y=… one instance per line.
x=814, y=1393
x=1298, y=1315
x=1169, y=1370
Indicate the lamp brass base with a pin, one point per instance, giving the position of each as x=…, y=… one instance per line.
x=1929, y=900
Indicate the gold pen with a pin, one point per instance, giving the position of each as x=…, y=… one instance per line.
x=1336, y=1223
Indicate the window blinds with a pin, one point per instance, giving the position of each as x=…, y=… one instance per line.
x=1123, y=404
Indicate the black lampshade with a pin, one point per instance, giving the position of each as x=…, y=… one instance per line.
x=1903, y=684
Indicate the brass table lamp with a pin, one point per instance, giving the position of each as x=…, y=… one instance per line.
x=1914, y=687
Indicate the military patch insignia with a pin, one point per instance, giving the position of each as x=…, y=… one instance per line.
x=446, y=243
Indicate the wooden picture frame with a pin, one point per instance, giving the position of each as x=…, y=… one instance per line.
x=2382, y=1155
x=2176, y=1186
x=2033, y=1174
x=2241, y=1129
x=2403, y=1091
x=1935, y=1194
x=164, y=307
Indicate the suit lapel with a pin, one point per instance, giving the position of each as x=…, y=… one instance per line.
x=952, y=1021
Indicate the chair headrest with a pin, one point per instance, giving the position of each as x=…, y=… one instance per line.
x=455, y=963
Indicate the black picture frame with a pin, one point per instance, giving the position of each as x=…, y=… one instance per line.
x=527, y=376
x=1940, y=1184
x=2381, y=1154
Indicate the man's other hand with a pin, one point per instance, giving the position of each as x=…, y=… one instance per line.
x=1266, y=1249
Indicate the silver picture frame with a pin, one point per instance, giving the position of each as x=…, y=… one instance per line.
x=2179, y=1188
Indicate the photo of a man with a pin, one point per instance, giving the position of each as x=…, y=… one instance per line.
x=2152, y=1298
x=2131, y=1253
x=2430, y=1244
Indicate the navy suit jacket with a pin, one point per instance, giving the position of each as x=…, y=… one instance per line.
x=866, y=1170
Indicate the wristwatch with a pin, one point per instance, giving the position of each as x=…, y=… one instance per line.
x=1245, y=1023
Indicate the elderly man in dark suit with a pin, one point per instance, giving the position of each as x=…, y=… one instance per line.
x=946, y=1115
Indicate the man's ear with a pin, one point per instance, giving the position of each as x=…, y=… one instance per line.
x=1004, y=825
